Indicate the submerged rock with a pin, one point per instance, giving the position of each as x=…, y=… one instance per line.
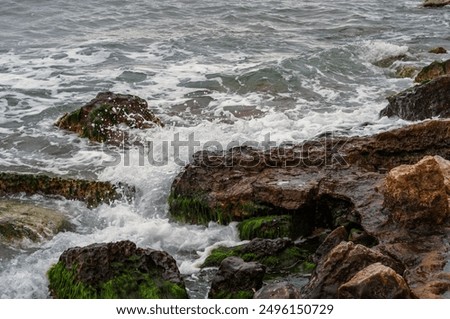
x=427, y=100
x=375, y=282
x=101, y=118
x=24, y=221
x=388, y=61
x=432, y=71
x=91, y=192
x=237, y=279
x=115, y=270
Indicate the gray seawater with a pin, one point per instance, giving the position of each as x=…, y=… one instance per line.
x=222, y=70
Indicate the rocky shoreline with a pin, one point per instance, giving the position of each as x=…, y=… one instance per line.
x=356, y=217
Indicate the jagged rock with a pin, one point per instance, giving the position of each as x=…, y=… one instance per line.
x=115, y=270
x=435, y=3
x=375, y=282
x=424, y=101
x=340, y=265
x=337, y=236
x=20, y=220
x=432, y=71
x=91, y=192
x=416, y=196
x=237, y=279
x=281, y=290
x=444, y=165
x=101, y=118
x=406, y=71
x=438, y=50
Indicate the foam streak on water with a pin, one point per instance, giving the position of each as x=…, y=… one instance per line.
x=225, y=71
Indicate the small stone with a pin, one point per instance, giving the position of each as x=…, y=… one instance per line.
x=438, y=50
x=435, y=3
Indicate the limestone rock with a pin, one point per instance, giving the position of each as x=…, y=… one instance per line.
x=281, y=290
x=375, y=282
x=424, y=101
x=237, y=279
x=340, y=265
x=115, y=270
x=21, y=220
x=416, y=195
x=433, y=71
x=101, y=118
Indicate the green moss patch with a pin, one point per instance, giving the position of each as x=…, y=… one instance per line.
x=128, y=283
x=269, y=227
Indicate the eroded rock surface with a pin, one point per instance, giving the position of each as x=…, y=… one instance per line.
x=432, y=71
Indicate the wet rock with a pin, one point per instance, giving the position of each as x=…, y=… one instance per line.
x=388, y=61
x=277, y=255
x=416, y=195
x=24, y=221
x=424, y=101
x=91, y=192
x=237, y=279
x=435, y=3
x=269, y=227
x=115, y=270
x=281, y=290
x=375, y=282
x=438, y=50
x=406, y=71
x=432, y=71
x=340, y=265
x=101, y=119
x=337, y=236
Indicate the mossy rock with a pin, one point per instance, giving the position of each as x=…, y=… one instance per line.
x=433, y=71
x=20, y=221
x=99, y=119
x=269, y=227
x=91, y=192
x=279, y=255
x=115, y=271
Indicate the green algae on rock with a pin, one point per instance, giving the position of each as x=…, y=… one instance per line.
x=115, y=271
x=269, y=227
x=433, y=71
x=99, y=120
x=92, y=193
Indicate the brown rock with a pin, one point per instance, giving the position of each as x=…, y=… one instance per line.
x=438, y=50
x=375, y=282
x=432, y=71
x=424, y=101
x=100, y=119
x=445, y=169
x=416, y=195
x=282, y=290
x=337, y=236
x=340, y=265
x=237, y=279
x=435, y=3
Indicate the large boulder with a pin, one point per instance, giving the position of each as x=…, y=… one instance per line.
x=432, y=71
x=237, y=279
x=340, y=265
x=101, y=119
x=375, y=282
x=115, y=270
x=424, y=101
x=25, y=221
x=416, y=196
x=91, y=192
